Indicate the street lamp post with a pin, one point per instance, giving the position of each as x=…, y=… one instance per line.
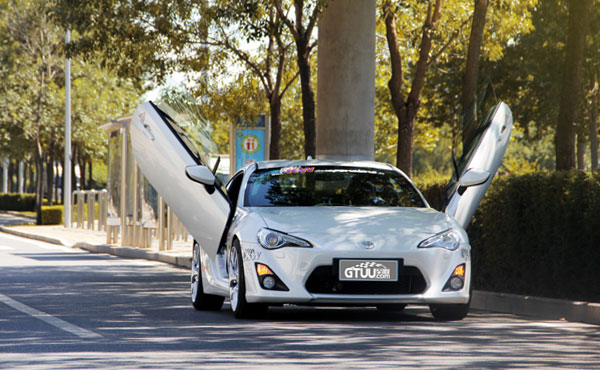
x=67, y=166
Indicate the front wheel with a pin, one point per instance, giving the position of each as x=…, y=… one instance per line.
x=237, y=286
x=200, y=300
x=449, y=312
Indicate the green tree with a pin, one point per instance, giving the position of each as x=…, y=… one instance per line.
x=262, y=24
x=579, y=16
x=301, y=23
x=34, y=39
x=428, y=59
x=160, y=37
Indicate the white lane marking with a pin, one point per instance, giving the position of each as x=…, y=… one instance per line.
x=4, y=248
x=55, y=321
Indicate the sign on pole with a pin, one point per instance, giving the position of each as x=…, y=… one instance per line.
x=249, y=142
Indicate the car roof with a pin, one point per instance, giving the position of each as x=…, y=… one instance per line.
x=320, y=162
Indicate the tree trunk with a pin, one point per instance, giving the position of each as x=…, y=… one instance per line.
x=405, y=127
x=308, y=98
x=406, y=130
x=594, y=126
x=469, y=88
x=81, y=164
x=406, y=111
x=39, y=182
x=50, y=179
x=74, y=157
x=11, y=170
x=275, y=144
x=55, y=183
x=90, y=175
x=30, y=184
x=564, y=138
x=302, y=38
x=580, y=152
x=31, y=177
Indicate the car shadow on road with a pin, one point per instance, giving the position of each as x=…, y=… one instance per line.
x=291, y=313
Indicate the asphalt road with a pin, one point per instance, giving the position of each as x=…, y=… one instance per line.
x=68, y=309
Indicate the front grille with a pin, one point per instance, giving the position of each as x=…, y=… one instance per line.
x=324, y=280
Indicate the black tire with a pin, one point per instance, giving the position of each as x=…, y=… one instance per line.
x=391, y=307
x=200, y=300
x=240, y=307
x=449, y=312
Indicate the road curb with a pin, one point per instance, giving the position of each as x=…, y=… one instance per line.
x=136, y=253
x=17, y=213
x=32, y=236
x=547, y=308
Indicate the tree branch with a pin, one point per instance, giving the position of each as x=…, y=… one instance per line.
x=288, y=84
x=448, y=43
x=286, y=20
x=312, y=21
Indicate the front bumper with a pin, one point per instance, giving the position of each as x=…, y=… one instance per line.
x=295, y=265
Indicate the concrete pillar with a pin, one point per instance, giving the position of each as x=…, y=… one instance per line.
x=346, y=81
x=5, y=163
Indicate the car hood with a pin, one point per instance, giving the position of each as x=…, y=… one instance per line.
x=340, y=226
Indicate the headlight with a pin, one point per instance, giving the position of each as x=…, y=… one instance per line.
x=448, y=239
x=271, y=239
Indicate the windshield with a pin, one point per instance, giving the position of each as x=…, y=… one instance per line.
x=330, y=186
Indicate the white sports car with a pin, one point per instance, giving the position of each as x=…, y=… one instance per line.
x=317, y=232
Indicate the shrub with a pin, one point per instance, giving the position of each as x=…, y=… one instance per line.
x=52, y=215
x=85, y=211
x=434, y=193
x=538, y=234
x=17, y=202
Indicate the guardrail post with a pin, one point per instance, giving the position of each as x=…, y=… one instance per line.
x=72, y=195
x=91, y=200
x=169, y=229
x=161, y=224
x=102, y=210
x=80, y=208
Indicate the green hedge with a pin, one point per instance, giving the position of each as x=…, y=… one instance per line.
x=52, y=215
x=536, y=234
x=17, y=202
x=433, y=193
x=539, y=235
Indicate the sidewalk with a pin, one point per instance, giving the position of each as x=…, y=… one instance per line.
x=181, y=256
x=93, y=241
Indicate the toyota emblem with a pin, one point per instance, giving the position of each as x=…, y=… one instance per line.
x=367, y=244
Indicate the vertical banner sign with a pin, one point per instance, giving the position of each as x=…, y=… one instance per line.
x=250, y=142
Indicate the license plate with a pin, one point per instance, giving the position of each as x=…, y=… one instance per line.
x=368, y=270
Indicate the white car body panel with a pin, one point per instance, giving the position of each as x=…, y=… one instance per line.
x=487, y=157
x=163, y=160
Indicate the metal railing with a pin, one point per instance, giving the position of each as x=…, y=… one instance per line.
x=88, y=218
x=89, y=211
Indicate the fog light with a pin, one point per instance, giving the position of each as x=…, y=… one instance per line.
x=456, y=283
x=263, y=270
x=459, y=270
x=457, y=279
x=269, y=282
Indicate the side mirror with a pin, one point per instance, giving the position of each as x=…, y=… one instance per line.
x=473, y=177
x=201, y=174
